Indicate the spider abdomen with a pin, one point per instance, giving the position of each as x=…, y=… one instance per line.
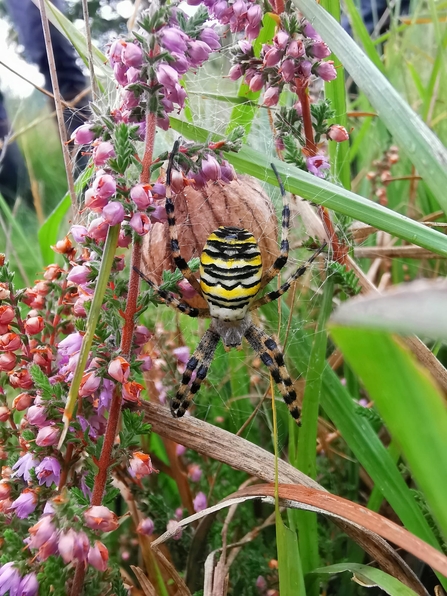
x=230, y=272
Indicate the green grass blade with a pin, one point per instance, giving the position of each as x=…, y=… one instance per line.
x=356, y=431
x=420, y=144
x=369, y=576
x=410, y=404
x=244, y=114
x=291, y=581
x=307, y=439
x=254, y=163
x=20, y=234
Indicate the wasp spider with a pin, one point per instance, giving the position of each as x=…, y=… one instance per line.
x=231, y=278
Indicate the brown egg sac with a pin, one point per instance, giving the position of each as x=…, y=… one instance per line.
x=242, y=203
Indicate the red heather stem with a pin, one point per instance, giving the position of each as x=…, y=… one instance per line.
x=126, y=344
x=338, y=248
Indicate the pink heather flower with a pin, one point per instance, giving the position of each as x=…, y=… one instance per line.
x=317, y=164
x=132, y=55
x=146, y=527
x=146, y=362
x=326, y=70
x=304, y=69
x=104, y=186
x=182, y=354
x=338, y=133
x=140, y=465
x=210, y=168
x=37, y=417
x=272, y=57
x=119, y=369
x=254, y=15
x=20, y=378
x=9, y=578
x=89, y=384
x=133, y=75
x=178, y=513
x=194, y=472
x=79, y=233
x=167, y=76
x=180, y=450
x=210, y=37
x=116, y=51
x=186, y=289
x=98, y=228
x=159, y=215
x=5, y=490
x=4, y=413
x=235, y=72
x=23, y=466
x=6, y=314
x=252, y=31
x=271, y=96
x=8, y=360
x=159, y=190
x=43, y=531
x=94, y=202
x=71, y=344
x=101, y=518
x=103, y=152
x=281, y=39
x=49, y=471
x=78, y=274
x=227, y=172
x=47, y=435
x=22, y=401
x=256, y=83
x=199, y=502
x=25, y=504
x=29, y=586
x=141, y=335
x=176, y=528
x=198, y=52
x=309, y=31
x=73, y=545
x=124, y=239
x=132, y=390
x=141, y=196
x=34, y=325
x=261, y=583
x=288, y=70
x=9, y=342
x=240, y=8
x=296, y=49
x=113, y=213
x=174, y=40
x=140, y=222
x=130, y=99
x=83, y=135
x=318, y=50
x=120, y=73
x=98, y=556
x=181, y=65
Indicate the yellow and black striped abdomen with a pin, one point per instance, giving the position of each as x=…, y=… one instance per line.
x=230, y=272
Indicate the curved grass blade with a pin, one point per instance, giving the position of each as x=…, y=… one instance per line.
x=317, y=190
x=369, y=577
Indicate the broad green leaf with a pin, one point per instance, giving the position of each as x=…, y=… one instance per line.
x=369, y=576
x=410, y=404
x=356, y=430
x=417, y=307
x=291, y=581
x=420, y=144
x=317, y=190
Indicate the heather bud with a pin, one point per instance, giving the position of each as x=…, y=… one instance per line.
x=326, y=71
x=47, y=435
x=140, y=465
x=119, y=369
x=102, y=152
x=4, y=413
x=8, y=360
x=98, y=556
x=34, y=325
x=101, y=518
x=113, y=213
x=236, y=72
x=79, y=233
x=271, y=96
x=9, y=342
x=210, y=168
x=146, y=527
x=338, y=133
x=6, y=314
x=25, y=504
x=132, y=55
x=22, y=402
x=199, y=502
x=83, y=135
x=140, y=222
x=141, y=196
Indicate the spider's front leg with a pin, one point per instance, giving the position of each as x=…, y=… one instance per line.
x=271, y=355
x=199, y=362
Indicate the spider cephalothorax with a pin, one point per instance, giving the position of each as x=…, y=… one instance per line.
x=231, y=277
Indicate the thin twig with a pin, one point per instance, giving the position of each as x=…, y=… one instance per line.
x=58, y=102
x=88, y=37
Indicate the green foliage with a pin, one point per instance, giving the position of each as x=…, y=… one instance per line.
x=134, y=426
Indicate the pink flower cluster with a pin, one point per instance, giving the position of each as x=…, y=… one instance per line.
x=240, y=15
x=10, y=579
x=292, y=59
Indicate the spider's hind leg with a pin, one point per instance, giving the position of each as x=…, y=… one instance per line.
x=199, y=361
x=271, y=355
